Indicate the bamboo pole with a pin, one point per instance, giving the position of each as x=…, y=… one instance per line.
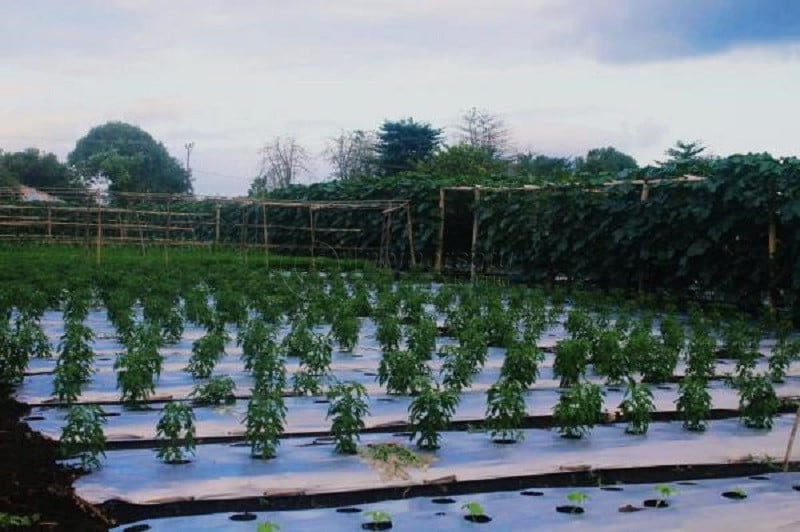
x=473, y=252
x=642, y=198
x=791, y=441
x=99, y=232
x=410, y=231
x=440, y=242
x=49, y=222
x=266, y=232
x=311, y=226
x=216, y=226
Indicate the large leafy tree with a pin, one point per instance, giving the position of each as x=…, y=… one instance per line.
x=36, y=169
x=405, y=143
x=129, y=159
x=606, y=160
x=540, y=168
x=463, y=160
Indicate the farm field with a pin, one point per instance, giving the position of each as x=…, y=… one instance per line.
x=186, y=384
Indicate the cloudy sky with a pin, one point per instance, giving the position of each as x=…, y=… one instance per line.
x=565, y=75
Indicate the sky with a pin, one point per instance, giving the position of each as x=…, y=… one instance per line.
x=564, y=75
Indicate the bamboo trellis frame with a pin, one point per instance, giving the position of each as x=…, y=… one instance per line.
x=477, y=189
x=137, y=218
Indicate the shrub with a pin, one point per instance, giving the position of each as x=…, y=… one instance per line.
x=74, y=364
x=264, y=422
x=299, y=340
x=400, y=371
x=505, y=410
x=218, y=390
x=387, y=332
x=758, y=403
x=347, y=408
x=521, y=363
x=578, y=410
x=701, y=355
x=257, y=340
x=176, y=431
x=609, y=358
x=785, y=352
x=693, y=403
x=571, y=357
x=83, y=435
x=206, y=352
x=458, y=368
x=637, y=406
x=430, y=412
x=421, y=337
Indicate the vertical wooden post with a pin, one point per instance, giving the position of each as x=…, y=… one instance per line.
x=311, y=225
x=243, y=241
x=388, y=248
x=266, y=231
x=791, y=441
x=216, y=227
x=410, y=231
x=440, y=242
x=141, y=233
x=473, y=252
x=49, y=222
x=99, y=231
x=169, y=230
x=644, y=195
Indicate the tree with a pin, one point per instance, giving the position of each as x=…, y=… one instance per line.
x=282, y=160
x=7, y=179
x=36, y=169
x=463, y=160
x=129, y=159
x=352, y=154
x=544, y=168
x=686, y=157
x=606, y=160
x=481, y=129
x=403, y=144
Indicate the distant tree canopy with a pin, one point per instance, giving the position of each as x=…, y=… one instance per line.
x=404, y=144
x=36, y=169
x=606, y=160
x=687, y=158
x=129, y=159
x=463, y=160
x=544, y=168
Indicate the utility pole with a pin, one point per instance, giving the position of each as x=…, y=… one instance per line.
x=189, y=147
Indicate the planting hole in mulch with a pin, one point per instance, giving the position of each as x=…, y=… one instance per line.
x=571, y=436
x=613, y=389
x=184, y=461
x=664, y=387
x=735, y=495
x=348, y=510
x=504, y=441
x=569, y=509
x=247, y=516
x=759, y=477
x=33, y=418
x=529, y=493
x=610, y=488
x=440, y=513
x=385, y=400
x=629, y=508
x=687, y=483
x=656, y=503
x=136, y=528
x=796, y=487
x=443, y=500
x=386, y=525
x=321, y=401
x=403, y=434
x=370, y=374
x=478, y=518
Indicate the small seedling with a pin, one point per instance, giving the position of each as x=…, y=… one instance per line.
x=577, y=498
x=268, y=526
x=217, y=391
x=473, y=508
x=379, y=516
x=665, y=491
x=347, y=409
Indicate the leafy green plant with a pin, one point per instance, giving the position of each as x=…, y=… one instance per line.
x=571, y=358
x=267, y=526
x=578, y=410
x=430, y=413
x=785, y=352
x=701, y=354
x=83, y=435
x=74, y=364
x=18, y=521
x=521, y=363
x=637, y=406
x=348, y=406
x=345, y=328
x=379, y=516
x=388, y=332
x=218, y=390
x=400, y=371
x=642, y=351
x=474, y=508
x=206, y=352
x=300, y=339
x=758, y=403
x=608, y=356
x=421, y=337
x=505, y=410
x=264, y=422
x=577, y=498
x=693, y=403
x=665, y=491
x=176, y=431
x=458, y=368
x=257, y=340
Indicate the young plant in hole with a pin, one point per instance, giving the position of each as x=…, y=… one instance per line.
x=300, y=339
x=505, y=410
x=665, y=491
x=218, y=390
x=638, y=407
x=379, y=516
x=348, y=406
x=387, y=332
x=474, y=509
x=578, y=410
x=693, y=403
x=701, y=355
x=458, y=368
x=345, y=327
x=430, y=412
x=257, y=340
x=577, y=498
x=206, y=352
x=400, y=370
x=641, y=349
x=609, y=358
x=758, y=403
x=572, y=355
x=30, y=337
x=500, y=326
x=421, y=337
x=267, y=526
x=785, y=352
x=521, y=363
x=176, y=431
x=266, y=415
x=83, y=435
x=74, y=364
x=135, y=378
